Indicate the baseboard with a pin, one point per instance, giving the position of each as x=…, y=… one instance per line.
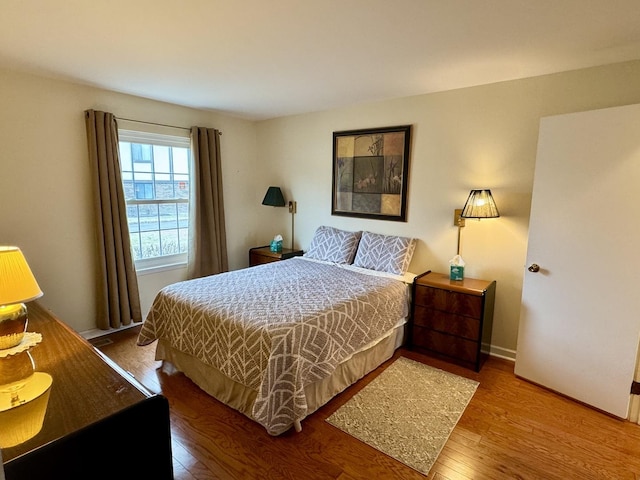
x=96, y=332
x=504, y=353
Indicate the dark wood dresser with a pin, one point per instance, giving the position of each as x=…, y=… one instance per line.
x=260, y=255
x=100, y=423
x=453, y=319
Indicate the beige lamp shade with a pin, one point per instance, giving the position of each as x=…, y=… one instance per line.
x=22, y=421
x=17, y=283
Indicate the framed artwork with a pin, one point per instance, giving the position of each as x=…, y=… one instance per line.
x=370, y=173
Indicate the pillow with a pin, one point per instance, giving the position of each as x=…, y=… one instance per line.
x=333, y=245
x=385, y=253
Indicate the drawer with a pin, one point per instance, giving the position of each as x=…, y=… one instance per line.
x=445, y=322
x=446, y=300
x=255, y=259
x=456, y=347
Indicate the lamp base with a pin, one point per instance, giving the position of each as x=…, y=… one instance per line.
x=13, y=324
x=15, y=371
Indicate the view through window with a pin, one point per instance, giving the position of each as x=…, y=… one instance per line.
x=156, y=173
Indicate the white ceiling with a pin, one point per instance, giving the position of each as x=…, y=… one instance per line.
x=261, y=59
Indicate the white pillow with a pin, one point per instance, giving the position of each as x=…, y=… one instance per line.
x=333, y=245
x=385, y=253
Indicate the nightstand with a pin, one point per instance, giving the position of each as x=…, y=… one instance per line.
x=452, y=319
x=260, y=255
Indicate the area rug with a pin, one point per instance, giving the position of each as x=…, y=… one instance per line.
x=407, y=412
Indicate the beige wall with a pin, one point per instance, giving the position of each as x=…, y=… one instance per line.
x=45, y=196
x=470, y=138
x=482, y=137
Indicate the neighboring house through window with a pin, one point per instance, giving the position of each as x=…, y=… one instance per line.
x=156, y=176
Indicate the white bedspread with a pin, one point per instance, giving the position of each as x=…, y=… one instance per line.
x=277, y=327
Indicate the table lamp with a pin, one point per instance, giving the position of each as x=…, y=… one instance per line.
x=17, y=286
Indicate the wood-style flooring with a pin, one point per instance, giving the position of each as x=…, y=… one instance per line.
x=510, y=430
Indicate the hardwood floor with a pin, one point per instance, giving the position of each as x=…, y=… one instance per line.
x=510, y=430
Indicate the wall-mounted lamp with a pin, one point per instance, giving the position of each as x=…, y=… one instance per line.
x=480, y=204
x=274, y=198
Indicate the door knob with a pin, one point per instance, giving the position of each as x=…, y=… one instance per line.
x=534, y=267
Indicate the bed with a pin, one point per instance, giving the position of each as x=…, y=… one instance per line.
x=279, y=340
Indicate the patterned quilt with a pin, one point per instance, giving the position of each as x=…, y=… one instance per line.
x=277, y=327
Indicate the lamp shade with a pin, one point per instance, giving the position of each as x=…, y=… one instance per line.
x=17, y=283
x=480, y=204
x=22, y=419
x=274, y=197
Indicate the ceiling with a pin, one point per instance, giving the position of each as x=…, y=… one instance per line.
x=261, y=59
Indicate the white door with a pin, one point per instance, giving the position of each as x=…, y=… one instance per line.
x=580, y=315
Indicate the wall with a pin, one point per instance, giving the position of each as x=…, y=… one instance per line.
x=45, y=196
x=463, y=139
x=481, y=137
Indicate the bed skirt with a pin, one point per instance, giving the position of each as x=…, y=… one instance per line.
x=241, y=398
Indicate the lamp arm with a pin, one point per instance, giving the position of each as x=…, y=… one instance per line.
x=292, y=208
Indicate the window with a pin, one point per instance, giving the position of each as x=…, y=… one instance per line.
x=155, y=173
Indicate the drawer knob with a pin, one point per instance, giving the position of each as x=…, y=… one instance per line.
x=534, y=267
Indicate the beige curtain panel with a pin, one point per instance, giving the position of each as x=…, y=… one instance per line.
x=208, y=238
x=118, y=299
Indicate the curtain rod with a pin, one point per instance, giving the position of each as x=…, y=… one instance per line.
x=158, y=124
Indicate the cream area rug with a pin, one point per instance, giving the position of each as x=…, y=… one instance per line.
x=407, y=412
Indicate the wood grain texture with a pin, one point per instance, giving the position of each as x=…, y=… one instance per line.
x=94, y=411
x=452, y=319
x=261, y=255
x=511, y=429
x=81, y=382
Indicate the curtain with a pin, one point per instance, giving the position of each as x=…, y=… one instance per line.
x=208, y=244
x=118, y=299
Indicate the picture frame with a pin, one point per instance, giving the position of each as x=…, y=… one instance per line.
x=370, y=173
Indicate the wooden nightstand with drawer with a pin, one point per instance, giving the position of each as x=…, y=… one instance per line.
x=260, y=255
x=453, y=319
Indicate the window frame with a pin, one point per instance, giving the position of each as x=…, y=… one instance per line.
x=162, y=262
